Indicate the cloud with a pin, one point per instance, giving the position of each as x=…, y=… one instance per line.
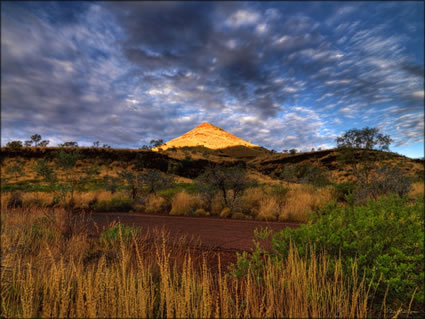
x=242, y=17
x=124, y=73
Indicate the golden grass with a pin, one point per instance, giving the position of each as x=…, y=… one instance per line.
x=155, y=204
x=144, y=280
x=417, y=189
x=269, y=209
x=302, y=199
x=184, y=204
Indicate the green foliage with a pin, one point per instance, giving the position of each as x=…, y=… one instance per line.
x=222, y=180
x=366, y=138
x=43, y=229
x=306, y=173
x=293, y=151
x=344, y=190
x=171, y=191
x=43, y=170
x=16, y=169
x=111, y=183
x=153, y=180
x=385, y=237
x=118, y=232
x=74, y=181
x=385, y=180
x=67, y=159
x=131, y=180
x=115, y=204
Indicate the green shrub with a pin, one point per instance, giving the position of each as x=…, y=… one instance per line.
x=343, y=190
x=113, y=234
x=115, y=204
x=385, y=237
x=306, y=173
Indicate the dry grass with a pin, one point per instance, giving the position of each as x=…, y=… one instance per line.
x=155, y=204
x=269, y=209
x=302, y=199
x=142, y=279
x=184, y=204
x=417, y=189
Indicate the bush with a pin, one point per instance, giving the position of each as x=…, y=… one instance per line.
x=238, y=215
x=269, y=209
x=201, y=212
x=116, y=204
x=15, y=200
x=250, y=201
x=225, y=212
x=306, y=173
x=155, y=204
x=344, y=190
x=385, y=237
x=117, y=231
x=389, y=180
x=14, y=145
x=184, y=204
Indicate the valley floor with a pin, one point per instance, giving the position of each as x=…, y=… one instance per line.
x=214, y=233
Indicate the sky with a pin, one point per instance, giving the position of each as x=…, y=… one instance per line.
x=281, y=75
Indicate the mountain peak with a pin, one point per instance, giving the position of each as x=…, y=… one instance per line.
x=205, y=124
x=206, y=135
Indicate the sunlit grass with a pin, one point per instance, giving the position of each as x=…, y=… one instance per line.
x=47, y=274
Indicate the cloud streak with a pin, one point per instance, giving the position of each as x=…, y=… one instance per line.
x=129, y=72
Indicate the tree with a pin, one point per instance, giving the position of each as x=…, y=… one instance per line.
x=44, y=143
x=156, y=143
x=132, y=181
x=366, y=138
x=223, y=180
x=96, y=144
x=111, y=183
x=285, y=151
x=74, y=181
x=36, y=138
x=293, y=151
x=14, y=145
x=358, y=150
x=69, y=144
x=43, y=169
x=154, y=180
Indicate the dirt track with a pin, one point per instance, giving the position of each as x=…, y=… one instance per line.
x=214, y=233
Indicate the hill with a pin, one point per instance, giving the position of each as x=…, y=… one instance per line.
x=208, y=136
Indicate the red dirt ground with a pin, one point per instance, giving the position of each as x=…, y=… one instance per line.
x=218, y=236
